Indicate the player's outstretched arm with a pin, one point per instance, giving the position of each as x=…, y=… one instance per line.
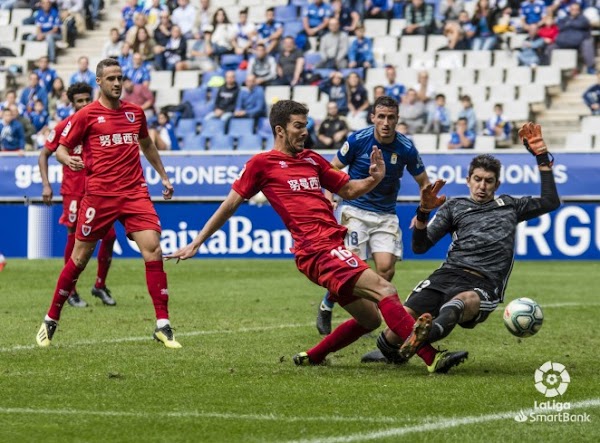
x=45, y=154
x=152, y=155
x=73, y=162
x=355, y=188
x=429, y=201
x=218, y=219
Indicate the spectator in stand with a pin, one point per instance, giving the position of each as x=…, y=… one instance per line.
x=360, y=54
x=10, y=98
x=376, y=9
x=162, y=33
x=393, y=88
x=468, y=113
x=140, y=95
x=83, y=73
x=451, y=9
x=222, y=34
x=48, y=24
x=46, y=74
x=335, y=89
x=290, y=64
x=412, y=112
x=560, y=8
x=269, y=33
x=462, y=137
x=225, y=99
x=420, y=18
x=548, y=30
x=39, y=119
x=250, y=101
x=54, y=97
x=63, y=108
x=162, y=133
x=126, y=58
x=315, y=18
x=200, y=56
x=483, y=21
x=402, y=128
x=467, y=28
x=438, y=117
x=262, y=66
x=498, y=127
x=532, y=48
x=378, y=91
x=72, y=14
x=153, y=12
x=128, y=14
x=33, y=92
x=358, y=102
x=575, y=33
x=12, y=134
x=591, y=97
x=425, y=89
x=457, y=40
x=112, y=48
x=184, y=16
x=334, y=47
x=173, y=52
x=244, y=34
x=139, y=21
x=349, y=19
x=137, y=72
x=144, y=45
x=204, y=17
x=333, y=130
x=531, y=13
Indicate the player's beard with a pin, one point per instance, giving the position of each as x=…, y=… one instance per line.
x=291, y=147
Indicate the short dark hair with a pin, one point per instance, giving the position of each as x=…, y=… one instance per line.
x=486, y=162
x=106, y=63
x=78, y=88
x=283, y=110
x=440, y=96
x=271, y=9
x=385, y=101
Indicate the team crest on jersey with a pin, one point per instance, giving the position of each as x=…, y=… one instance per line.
x=51, y=136
x=130, y=116
x=311, y=161
x=345, y=148
x=500, y=202
x=85, y=230
x=394, y=159
x=66, y=130
x=72, y=218
x=283, y=164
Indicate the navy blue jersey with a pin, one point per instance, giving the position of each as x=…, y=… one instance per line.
x=356, y=154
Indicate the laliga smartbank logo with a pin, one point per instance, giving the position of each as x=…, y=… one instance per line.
x=552, y=380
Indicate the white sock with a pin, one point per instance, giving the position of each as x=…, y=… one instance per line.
x=46, y=318
x=162, y=322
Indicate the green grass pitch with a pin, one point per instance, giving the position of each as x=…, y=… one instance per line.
x=240, y=322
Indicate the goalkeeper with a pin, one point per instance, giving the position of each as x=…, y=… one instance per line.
x=471, y=282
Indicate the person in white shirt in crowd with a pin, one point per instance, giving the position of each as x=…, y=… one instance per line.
x=244, y=34
x=184, y=16
x=112, y=48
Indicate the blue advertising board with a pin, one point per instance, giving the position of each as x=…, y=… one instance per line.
x=208, y=177
x=571, y=232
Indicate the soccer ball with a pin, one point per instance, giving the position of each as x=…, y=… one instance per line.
x=523, y=317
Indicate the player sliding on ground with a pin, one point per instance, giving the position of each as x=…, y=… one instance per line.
x=471, y=282
x=292, y=178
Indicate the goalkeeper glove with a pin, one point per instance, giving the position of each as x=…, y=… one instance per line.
x=531, y=135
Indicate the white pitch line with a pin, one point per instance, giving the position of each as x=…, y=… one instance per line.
x=438, y=425
x=149, y=338
x=200, y=414
x=568, y=304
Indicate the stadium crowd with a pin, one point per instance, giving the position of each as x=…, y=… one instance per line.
x=318, y=43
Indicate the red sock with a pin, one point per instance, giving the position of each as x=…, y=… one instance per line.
x=105, y=257
x=396, y=317
x=427, y=353
x=345, y=334
x=69, y=250
x=66, y=282
x=156, y=280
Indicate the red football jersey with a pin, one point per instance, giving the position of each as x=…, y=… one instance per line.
x=293, y=187
x=73, y=182
x=111, y=148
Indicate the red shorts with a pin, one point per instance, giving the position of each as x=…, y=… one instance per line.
x=70, y=205
x=334, y=268
x=98, y=213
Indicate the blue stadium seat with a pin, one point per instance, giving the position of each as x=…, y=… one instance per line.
x=300, y=3
x=240, y=76
x=194, y=142
x=221, y=142
x=185, y=126
x=263, y=128
x=231, y=61
x=323, y=72
x=269, y=141
x=250, y=142
x=311, y=59
x=359, y=71
x=292, y=29
x=213, y=126
x=194, y=95
x=286, y=14
x=241, y=126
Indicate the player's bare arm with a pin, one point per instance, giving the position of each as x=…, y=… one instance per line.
x=45, y=154
x=152, y=155
x=73, y=162
x=355, y=188
x=218, y=219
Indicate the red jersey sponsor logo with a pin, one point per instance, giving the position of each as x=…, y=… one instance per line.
x=304, y=183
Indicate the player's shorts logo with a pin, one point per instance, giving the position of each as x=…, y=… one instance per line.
x=85, y=230
x=130, y=116
x=72, y=218
x=552, y=379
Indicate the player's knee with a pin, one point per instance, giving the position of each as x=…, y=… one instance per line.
x=387, y=274
x=371, y=321
x=386, y=288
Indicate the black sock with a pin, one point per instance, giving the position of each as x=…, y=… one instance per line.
x=449, y=316
x=388, y=350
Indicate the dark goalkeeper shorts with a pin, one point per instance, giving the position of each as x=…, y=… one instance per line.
x=444, y=284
